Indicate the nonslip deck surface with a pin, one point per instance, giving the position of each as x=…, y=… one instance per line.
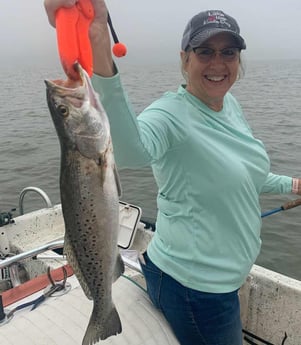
x=63, y=320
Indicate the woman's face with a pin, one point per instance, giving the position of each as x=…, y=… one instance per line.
x=210, y=76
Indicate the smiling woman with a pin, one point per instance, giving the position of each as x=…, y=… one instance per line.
x=210, y=54
x=210, y=171
x=211, y=69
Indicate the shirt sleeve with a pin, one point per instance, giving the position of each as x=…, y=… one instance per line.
x=277, y=184
x=129, y=150
x=137, y=141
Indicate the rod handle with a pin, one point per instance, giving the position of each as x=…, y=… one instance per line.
x=291, y=204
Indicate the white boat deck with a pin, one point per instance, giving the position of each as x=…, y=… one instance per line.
x=63, y=319
x=270, y=302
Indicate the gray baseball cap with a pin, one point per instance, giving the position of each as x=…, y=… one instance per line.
x=207, y=24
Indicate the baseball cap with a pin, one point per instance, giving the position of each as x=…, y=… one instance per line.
x=207, y=24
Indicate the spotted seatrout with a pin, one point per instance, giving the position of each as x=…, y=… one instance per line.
x=90, y=191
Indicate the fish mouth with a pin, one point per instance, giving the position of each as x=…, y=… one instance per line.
x=82, y=85
x=69, y=83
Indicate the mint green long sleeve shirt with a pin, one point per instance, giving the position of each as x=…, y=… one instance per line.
x=210, y=171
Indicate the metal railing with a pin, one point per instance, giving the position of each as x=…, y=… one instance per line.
x=36, y=190
x=51, y=246
x=31, y=253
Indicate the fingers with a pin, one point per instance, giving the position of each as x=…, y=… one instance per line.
x=51, y=6
x=100, y=10
x=296, y=186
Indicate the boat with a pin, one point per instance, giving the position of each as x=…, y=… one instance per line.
x=42, y=302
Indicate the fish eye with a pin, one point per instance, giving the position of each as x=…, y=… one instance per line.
x=63, y=110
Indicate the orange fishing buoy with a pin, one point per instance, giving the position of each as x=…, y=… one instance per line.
x=72, y=28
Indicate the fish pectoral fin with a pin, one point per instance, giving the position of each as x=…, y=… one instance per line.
x=119, y=268
x=72, y=260
x=117, y=180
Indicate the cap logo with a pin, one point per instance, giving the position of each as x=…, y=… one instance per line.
x=217, y=17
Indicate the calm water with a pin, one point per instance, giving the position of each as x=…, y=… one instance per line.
x=268, y=93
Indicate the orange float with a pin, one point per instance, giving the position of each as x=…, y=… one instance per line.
x=72, y=28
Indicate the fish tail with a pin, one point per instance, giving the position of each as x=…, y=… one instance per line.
x=100, y=331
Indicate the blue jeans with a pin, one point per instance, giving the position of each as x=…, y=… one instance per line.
x=197, y=318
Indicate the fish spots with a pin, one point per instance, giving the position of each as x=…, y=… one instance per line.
x=103, y=159
x=89, y=168
x=90, y=199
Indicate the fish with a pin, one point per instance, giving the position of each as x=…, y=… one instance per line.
x=90, y=190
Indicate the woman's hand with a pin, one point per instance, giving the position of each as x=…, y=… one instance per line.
x=99, y=33
x=101, y=41
x=296, y=187
x=51, y=6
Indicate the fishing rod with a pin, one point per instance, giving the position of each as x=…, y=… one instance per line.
x=288, y=205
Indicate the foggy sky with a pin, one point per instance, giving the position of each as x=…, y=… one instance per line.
x=152, y=30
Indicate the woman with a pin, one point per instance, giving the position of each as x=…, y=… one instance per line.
x=210, y=171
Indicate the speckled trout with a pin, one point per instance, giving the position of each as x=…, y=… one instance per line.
x=90, y=190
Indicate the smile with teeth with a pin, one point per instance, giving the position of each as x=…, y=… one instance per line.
x=215, y=78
